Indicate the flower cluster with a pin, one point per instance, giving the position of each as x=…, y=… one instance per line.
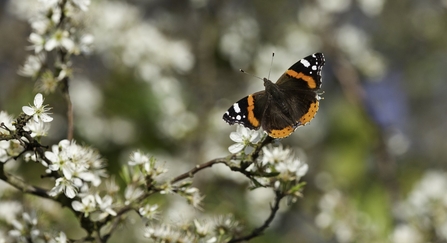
x=212, y=231
x=141, y=177
x=282, y=170
x=282, y=161
x=37, y=124
x=278, y=167
x=8, y=148
x=76, y=166
x=53, y=31
x=100, y=207
x=343, y=221
x=425, y=210
x=25, y=229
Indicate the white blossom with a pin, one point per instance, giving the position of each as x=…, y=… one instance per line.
x=37, y=42
x=61, y=38
x=68, y=187
x=9, y=149
x=273, y=155
x=193, y=196
x=203, y=228
x=291, y=168
x=37, y=129
x=243, y=138
x=149, y=211
x=75, y=161
x=137, y=158
x=32, y=65
x=62, y=238
x=87, y=205
x=7, y=120
x=25, y=229
x=105, y=204
x=164, y=233
x=38, y=111
x=132, y=193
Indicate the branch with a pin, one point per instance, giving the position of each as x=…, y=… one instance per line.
x=70, y=123
x=210, y=163
x=266, y=141
x=258, y=231
x=21, y=185
x=199, y=168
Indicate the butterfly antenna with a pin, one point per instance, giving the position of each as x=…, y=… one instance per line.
x=242, y=71
x=271, y=64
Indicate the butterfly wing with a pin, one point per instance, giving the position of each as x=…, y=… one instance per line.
x=277, y=121
x=299, y=102
x=304, y=74
x=248, y=111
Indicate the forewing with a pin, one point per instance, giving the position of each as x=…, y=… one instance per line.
x=248, y=111
x=304, y=74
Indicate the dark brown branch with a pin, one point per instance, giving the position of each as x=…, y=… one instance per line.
x=21, y=185
x=260, y=230
x=266, y=141
x=198, y=168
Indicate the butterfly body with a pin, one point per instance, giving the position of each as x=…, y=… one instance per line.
x=283, y=106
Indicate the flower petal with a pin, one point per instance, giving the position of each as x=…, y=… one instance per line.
x=302, y=170
x=77, y=206
x=70, y=191
x=50, y=45
x=28, y=110
x=46, y=118
x=38, y=100
x=236, y=137
x=236, y=148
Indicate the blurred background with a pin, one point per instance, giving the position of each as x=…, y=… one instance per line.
x=162, y=73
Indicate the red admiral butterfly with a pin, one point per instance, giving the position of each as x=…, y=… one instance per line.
x=283, y=106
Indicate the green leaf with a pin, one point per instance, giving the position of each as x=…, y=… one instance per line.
x=297, y=187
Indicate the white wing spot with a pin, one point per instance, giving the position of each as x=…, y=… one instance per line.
x=314, y=67
x=236, y=108
x=238, y=117
x=305, y=62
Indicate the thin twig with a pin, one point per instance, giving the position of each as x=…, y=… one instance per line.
x=198, y=168
x=258, y=231
x=115, y=224
x=266, y=141
x=70, y=123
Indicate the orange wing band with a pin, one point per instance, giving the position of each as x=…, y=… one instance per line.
x=310, y=114
x=251, y=115
x=309, y=80
x=281, y=133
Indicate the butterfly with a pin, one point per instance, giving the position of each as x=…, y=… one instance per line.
x=283, y=106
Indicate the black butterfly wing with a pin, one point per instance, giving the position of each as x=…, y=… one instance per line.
x=248, y=111
x=304, y=74
x=299, y=101
x=303, y=105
